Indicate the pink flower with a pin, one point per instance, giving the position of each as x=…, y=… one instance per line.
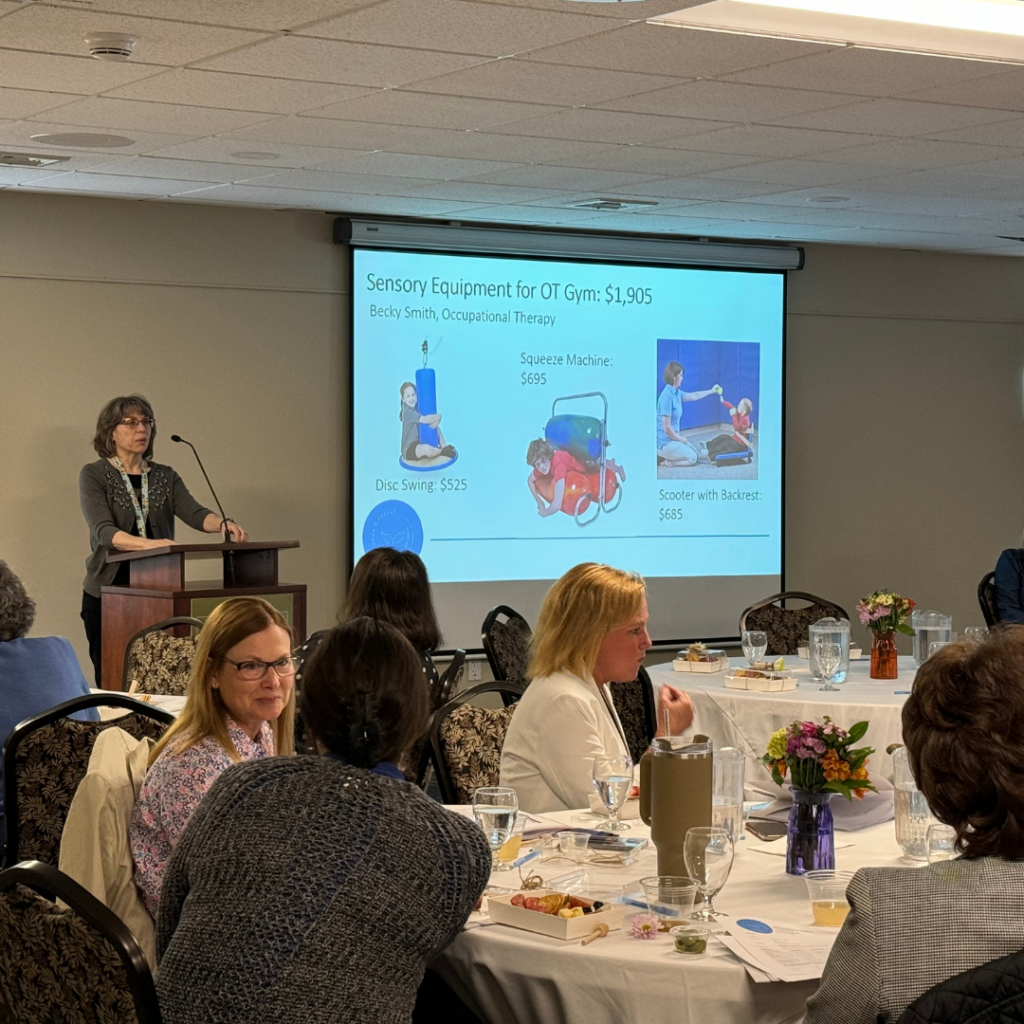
x=880, y=612
x=645, y=926
x=806, y=752
x=809, y=728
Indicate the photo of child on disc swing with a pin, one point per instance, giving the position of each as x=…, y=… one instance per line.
x=706, y=424
x=568, y=464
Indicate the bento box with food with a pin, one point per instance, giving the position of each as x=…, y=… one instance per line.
x=700, y=658
x=554, y=913
x=759, y=680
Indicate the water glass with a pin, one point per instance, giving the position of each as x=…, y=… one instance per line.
x=512, y=847
x=670, y=897
x=937, y=645
x=976, y=634
x=827, y=657
x=940, y=843
x=727, y=791
x=612, y=775
x=708, y=854
x=755, y=643
x=826, y=890
x=494, y=808
x=913, y=815
x=929, y=626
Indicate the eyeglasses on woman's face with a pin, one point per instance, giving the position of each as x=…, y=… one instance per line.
x=254, y=671
x=132, y=423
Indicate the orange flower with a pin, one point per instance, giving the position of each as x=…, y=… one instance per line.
x=859, y=793
x=834, y=768
x=859, y=773
x=781, y=765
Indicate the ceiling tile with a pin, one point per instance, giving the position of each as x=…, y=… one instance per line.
x=539, y=216
x=893, y=117
x=457, y=25
x=334, y=181
x=1011, y=189
x=573, y=179
x=477, y=192
x=185, y=170
x=654, y=161
x=1003, y=90
x=937, y=182
x=279, y=14
x=63, y=30
x=681, y=53
x=1005, y=167
x=330, y=60
x=230, y=150
x=429, y=110
x=20, y=70
x=766, y=141
x=1008, y=133
x=19, y=133
x=800, y=173
x=111, y=184
x=533, y=83
x=729, y=101
x=563, y=199
x=406, y=165
x=703, y=189
x=913, y=154
x=18, y=103
x=604, y=10
x=136, y=115
x=593, y=125
x=864, y=72
x=196, y=88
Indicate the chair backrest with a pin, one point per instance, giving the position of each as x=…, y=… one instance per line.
x=987, y=599
x=992, y=993
x=160, y=662
x=466, y=741
x=506, y=639
x=450, y=679
x=786, y=627
x=47, y=756
x=77, y=962
x=637, y=710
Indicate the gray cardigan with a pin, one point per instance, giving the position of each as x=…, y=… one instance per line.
x=306, y=891
x=108, y=509
x=910, y=928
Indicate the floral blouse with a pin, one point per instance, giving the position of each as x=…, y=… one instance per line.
x=172, y=789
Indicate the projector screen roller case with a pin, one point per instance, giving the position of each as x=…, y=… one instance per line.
x=513, y=417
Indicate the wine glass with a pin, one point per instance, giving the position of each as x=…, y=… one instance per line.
x=494, y=808
x=827, y=657
x=708, y=854
x=612, y=776
x=755, y=643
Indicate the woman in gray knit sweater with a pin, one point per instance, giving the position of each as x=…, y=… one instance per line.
x=315, y=889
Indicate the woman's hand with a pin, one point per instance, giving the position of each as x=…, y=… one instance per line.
x=235, y=533
x=679, y=708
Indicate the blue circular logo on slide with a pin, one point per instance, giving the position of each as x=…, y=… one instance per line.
x=393, y=524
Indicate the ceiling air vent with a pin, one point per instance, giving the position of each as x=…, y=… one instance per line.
x=611, y=204
x=29, y=159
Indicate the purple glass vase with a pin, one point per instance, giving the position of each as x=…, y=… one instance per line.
x=810, y=844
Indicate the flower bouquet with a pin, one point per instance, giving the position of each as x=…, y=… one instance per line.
x=821, y=760
x=885, y=613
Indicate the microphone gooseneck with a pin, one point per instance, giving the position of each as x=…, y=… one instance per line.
x=178, y=439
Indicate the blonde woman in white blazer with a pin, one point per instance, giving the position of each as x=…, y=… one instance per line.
x=592, y=631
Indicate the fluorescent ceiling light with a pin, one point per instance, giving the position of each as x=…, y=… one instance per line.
x=973, y=29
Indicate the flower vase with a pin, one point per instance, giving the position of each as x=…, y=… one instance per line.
x=810, y=844
x=883, y=655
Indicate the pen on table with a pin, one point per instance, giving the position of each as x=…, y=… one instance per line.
x=652, y=907
x=522, y=860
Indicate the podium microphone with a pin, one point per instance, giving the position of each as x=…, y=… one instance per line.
x=178, y=439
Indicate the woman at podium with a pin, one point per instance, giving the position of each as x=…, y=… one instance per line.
x=130, y=503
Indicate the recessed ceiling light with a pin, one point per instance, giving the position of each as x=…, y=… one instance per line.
x=972, y=29
x=611, y=204
x=828, y=199
x=256, y=154
x=29, y=159
x=88, y=140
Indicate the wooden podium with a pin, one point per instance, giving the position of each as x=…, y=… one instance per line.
x=157, y=590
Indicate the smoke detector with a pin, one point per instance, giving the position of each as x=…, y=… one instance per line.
x=111, y=45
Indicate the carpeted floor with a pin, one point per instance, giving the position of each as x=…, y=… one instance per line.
x=703, y=471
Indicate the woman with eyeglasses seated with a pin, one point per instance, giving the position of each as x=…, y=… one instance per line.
x=130, y=503
x=239, y=706
x=314, y=890
x=911, y=928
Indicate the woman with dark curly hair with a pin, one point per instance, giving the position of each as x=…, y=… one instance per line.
x=36, y=673
x=130, y=503
x=911, y=928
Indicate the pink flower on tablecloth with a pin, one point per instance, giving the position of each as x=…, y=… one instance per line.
x=645, y=926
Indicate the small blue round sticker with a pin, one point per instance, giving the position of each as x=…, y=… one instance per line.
x=754, y=926
x=393, y=524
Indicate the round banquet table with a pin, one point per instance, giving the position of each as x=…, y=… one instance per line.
x=511, y=976
x=745, y=719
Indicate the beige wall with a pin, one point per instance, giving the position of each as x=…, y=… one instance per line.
x=905, y=465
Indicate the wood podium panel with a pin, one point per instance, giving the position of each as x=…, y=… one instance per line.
x=158, y=590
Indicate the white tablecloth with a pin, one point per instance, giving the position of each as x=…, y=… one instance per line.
x=517, y=977
x=745, y=719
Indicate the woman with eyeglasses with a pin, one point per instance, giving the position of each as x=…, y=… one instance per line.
x=239, y=706
x=130, y=503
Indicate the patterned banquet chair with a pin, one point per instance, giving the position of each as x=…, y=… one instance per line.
x=987, y=599
x=47, y=756
x=466, y=741
x=72, y=964
x=506, y=638
x=637, y=710
x=787, y=627
x=158, y=661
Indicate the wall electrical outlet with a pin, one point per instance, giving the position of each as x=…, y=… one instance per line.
x=474, y=672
